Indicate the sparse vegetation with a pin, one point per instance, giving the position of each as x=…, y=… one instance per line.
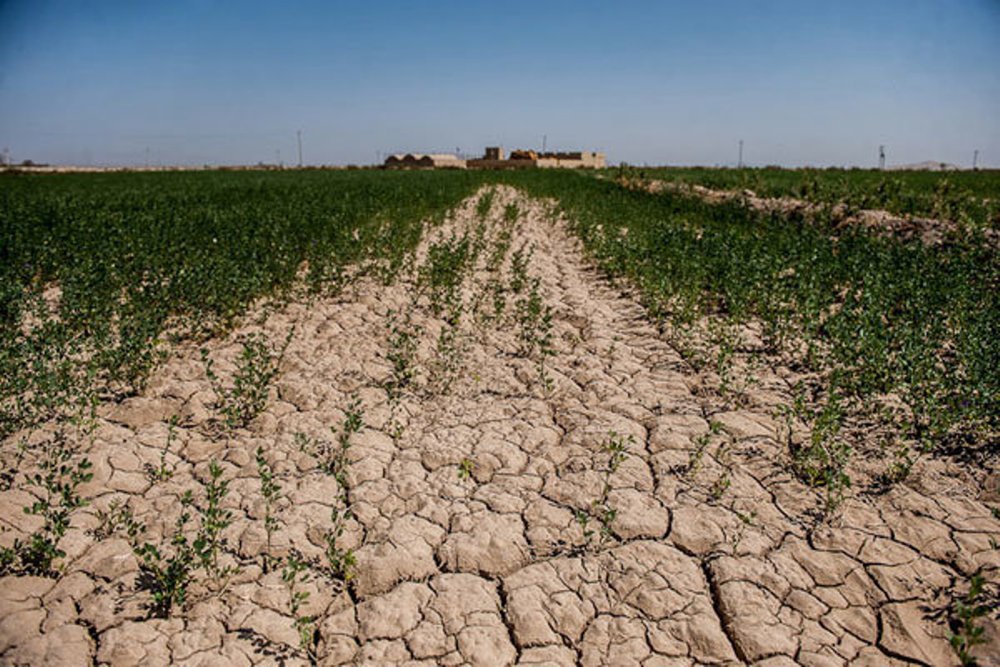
x=256, y=369
x=271, y=492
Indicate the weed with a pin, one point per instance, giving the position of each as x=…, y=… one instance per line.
x=720, y=486
x=271, y=491
x=341, y=561
x=485, y=204
x=214, y=520
x=746, y=520
x=465, y=468
x=967, y=611
x=256, y=369
x=57, y=482
x=294, y=574
x=167, y=577
x=118, y=519
x=338, y=460
x=614, y=448
x=823, y=460
x=402, y=354
x=449, y=356
x=164, y=472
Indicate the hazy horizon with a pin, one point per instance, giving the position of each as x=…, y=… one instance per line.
x=194, y=83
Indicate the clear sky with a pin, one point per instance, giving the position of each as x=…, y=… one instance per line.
x=201, y=81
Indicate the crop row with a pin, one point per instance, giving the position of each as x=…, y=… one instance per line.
x=969, y=197
x=876, y=318
x=96, y=271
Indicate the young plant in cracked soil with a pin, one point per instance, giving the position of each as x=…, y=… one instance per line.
x=271, y=492
x=967, y=612
x=256, y=369
x=342, y=561
x=295, y=574
x=614, y=449
x=166, y=571
x=62, y=472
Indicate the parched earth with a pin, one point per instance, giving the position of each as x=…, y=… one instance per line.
x=493, y=522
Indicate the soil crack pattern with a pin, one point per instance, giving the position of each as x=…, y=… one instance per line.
x=496, y=459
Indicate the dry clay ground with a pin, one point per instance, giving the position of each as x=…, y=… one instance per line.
x=720, y=562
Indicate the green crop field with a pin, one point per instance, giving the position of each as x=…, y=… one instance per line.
x=135, y=254
x=874, y=315
x=972, y=196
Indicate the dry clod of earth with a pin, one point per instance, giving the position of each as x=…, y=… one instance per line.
x=584, y=501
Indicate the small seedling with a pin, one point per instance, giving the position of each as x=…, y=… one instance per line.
x=341, y=561
x=402, y=355
x=214, y=520
x=118, y=519
x=167, y=578
x=163, y=471
x=967, y=611
x=465, y=467
x=256, y=369
x=57, y=482
x=271, y=491
x=295, y=573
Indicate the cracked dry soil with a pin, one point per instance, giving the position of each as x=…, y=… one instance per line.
x=475, y=521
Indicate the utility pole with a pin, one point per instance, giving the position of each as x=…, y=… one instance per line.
x=147, y=157
x=881, y=158
x=298, y=135
x=6, y=156
x=975, y=159
x=739, y=163
x=277, y=157
x=545, y=142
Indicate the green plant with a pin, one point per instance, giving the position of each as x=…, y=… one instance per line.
x=465, y=468
x=485, y=204
x=214, y=519
x=271, y=491
x=341, y=561
x=351, y=425
x=967, y=632
x=58, y=497
x=720, y=486
x=614, y=451
x=256, y=369
x=822, y=461
x=402, y=354
x=294, y=574
x=164, y=472
x=167, y=577
x=118, y=519
x=449, y=356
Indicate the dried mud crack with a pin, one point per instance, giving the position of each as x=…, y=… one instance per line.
x=534, y=482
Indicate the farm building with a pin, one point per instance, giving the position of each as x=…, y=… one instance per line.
x=494, y=158
x=424, y=161
x=519, y=159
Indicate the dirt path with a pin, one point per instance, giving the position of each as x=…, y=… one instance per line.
x=617, y=513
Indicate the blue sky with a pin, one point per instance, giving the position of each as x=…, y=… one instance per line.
x=801, y=82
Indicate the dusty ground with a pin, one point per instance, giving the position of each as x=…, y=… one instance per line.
x=929, y=230
x=713, y=560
